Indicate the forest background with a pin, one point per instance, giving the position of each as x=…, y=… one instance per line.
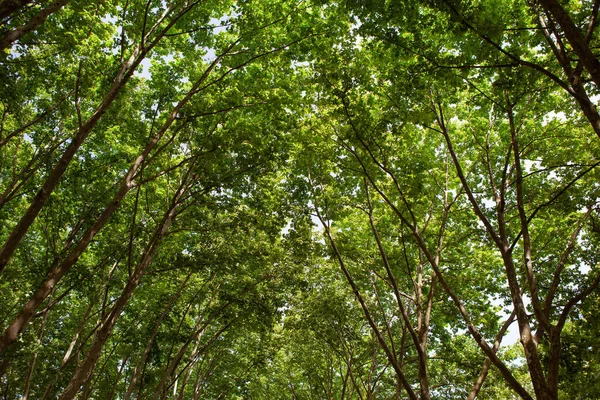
x=301, y=199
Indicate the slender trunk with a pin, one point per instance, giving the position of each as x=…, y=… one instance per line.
x=422, y=356
x=475, y=334
x=162, y=387
x=527, y=252
x=202, y=377
x=16, y=327
x=40, y=199
x=88, y=384
x=391, y=357
x=349, y=362
x=118, y=378
x=344, y=384
x=527, y=339
x=168, y=372
x=34, y=360
x=84, y=370
x=25, y=395
x=197, y=387
x=183, y=316
x=188, y=372
x=193, y=359
x=138, y=368
x=69, y=353
x=487, y=363
x=529, y=343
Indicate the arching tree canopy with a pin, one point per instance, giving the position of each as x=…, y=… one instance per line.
x=301, y=199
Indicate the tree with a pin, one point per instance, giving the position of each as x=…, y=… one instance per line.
x=298, y=199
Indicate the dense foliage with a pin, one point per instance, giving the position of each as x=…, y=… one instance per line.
x=301, y=199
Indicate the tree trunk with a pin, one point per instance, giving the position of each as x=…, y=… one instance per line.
x=119, y=374
x=40, y=199
x=391, y=357
x=554, y=361
x=138, y=368
x=188, y=372
x=16, y=327
x=84, y=370
x=198, y=331
x=34, y=360
x=162, y=386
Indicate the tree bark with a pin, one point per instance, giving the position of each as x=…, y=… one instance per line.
x=85, y=369
x=487, y=363
x=118, y=378
x=9, y=7
x=575, y=38
x=36, y=21
x=527, y=339
x=162, y=386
